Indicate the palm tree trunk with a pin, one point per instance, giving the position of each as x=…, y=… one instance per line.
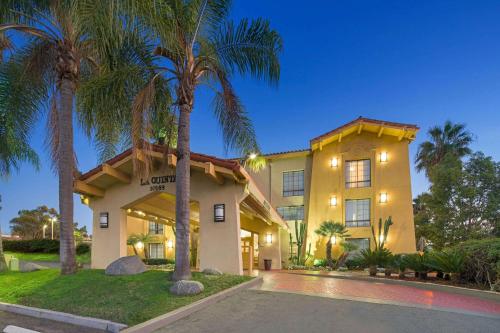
x=182, y=268
x=329, y=259
x=66, y=168
x=3, y=263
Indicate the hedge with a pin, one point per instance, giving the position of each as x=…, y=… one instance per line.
x=31, y=246
x=40, y=246
x=154, y=261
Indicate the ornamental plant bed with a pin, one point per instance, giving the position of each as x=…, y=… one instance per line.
x=124, y=299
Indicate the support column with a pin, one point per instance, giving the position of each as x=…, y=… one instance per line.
x=220, y=243
x=108, y=244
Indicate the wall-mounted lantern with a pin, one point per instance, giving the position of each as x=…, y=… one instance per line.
x=269, y=238
x=219, y=213
x=334, y=162
x=170, y=244
x=104, y=220
x=383, y=157
x=383, y=197
x=333, y=201
x=333, y=239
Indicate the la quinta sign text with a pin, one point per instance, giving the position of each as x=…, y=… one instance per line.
x=157, y=183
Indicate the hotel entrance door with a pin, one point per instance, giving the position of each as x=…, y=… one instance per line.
x=249, y=249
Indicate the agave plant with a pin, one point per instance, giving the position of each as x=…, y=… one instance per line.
x=449, y=262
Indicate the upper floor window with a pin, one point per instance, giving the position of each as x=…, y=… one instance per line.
x=357, y=174
x=291, y=213
x=293, y=183
x=155, y=228
x=357, y=213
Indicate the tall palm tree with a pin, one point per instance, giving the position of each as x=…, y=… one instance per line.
x=330, y=229
x=197, y=45
x=449, y=139
x=66, y=40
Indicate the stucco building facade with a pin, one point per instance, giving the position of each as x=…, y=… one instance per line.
x=355, y=174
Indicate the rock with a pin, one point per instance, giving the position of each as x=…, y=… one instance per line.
x=186, y=287
x=130, y=265
x=29, y=267
x=211, y=271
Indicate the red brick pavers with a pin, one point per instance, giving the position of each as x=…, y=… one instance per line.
x=378, y=292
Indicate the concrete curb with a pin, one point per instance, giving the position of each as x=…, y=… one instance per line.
x=168, y=318
x=486, y=294
x=68, y=318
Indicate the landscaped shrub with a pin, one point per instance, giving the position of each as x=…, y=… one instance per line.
x=155, y=262
x=450, y=262
x=399, y=263
x=354, y=262
x=481, y=261
x=320, y=263
x=372, y=259
x=83, y=248
x=419, y=262
x=32, y=246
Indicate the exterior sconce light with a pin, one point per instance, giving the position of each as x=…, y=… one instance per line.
x=334, y=162
x=139, y=245
x=333, y=201
x=269, y=238
x=104, y=220
x=381, y=238
x=383, y=157
x=333, y=239
x=170, y=244
x=219, y=213
x=383, y=197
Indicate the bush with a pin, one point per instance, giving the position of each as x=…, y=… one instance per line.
x=83, y=248
x=354, y=263
x=32, y=246
x=155, y=262
x=481, y=260
x=418, y=263
x=449, y=261
x=320, y=263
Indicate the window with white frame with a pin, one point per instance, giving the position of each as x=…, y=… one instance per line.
x=156, y=250
x=293, y=183
x=357, y=213
x=357, y=174
x=155, y=228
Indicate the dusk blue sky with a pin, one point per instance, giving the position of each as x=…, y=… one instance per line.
x=420, y=62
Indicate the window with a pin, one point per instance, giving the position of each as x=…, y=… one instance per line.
x=357, y=174
x=293, y=183
x=156, y=250
x=357, y=213
x=155, y=228
x=361, y=244
x=291, y=213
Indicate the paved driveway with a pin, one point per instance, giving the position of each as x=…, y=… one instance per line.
x=40, y=325
x=297, y=303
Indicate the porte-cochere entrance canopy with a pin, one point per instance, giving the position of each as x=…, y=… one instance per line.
x=124, y=204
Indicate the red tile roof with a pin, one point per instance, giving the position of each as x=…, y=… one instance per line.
x=224, y=163
x=366, y=121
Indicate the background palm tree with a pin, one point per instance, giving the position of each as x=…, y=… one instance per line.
x=449, y=139
x=197, y=45
x=329, y=229
x=67, y=39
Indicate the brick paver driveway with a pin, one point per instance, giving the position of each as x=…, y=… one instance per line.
x=423, y=296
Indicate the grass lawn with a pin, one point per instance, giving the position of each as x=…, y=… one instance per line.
x=84, y=258
x=126, y=299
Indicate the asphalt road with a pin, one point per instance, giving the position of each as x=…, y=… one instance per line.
x=266, y=311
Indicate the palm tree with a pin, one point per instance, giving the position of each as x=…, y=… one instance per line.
x=331, y=229
x=196, y=45
x=449, y=139
x=66, y=40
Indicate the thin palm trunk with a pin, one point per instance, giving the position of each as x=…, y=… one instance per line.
x=329, y=259
x=3, y=263
x=66, y=167
x=182, y=267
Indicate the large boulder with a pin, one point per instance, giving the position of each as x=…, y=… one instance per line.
x=130, y=265
x=186, y=287
x=29, y=267
x=211, y=271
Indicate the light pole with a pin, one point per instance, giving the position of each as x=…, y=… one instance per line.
x=44, y=227
x=52, y=220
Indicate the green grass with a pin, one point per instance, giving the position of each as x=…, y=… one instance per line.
x=126, y=299
x=84, y=258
